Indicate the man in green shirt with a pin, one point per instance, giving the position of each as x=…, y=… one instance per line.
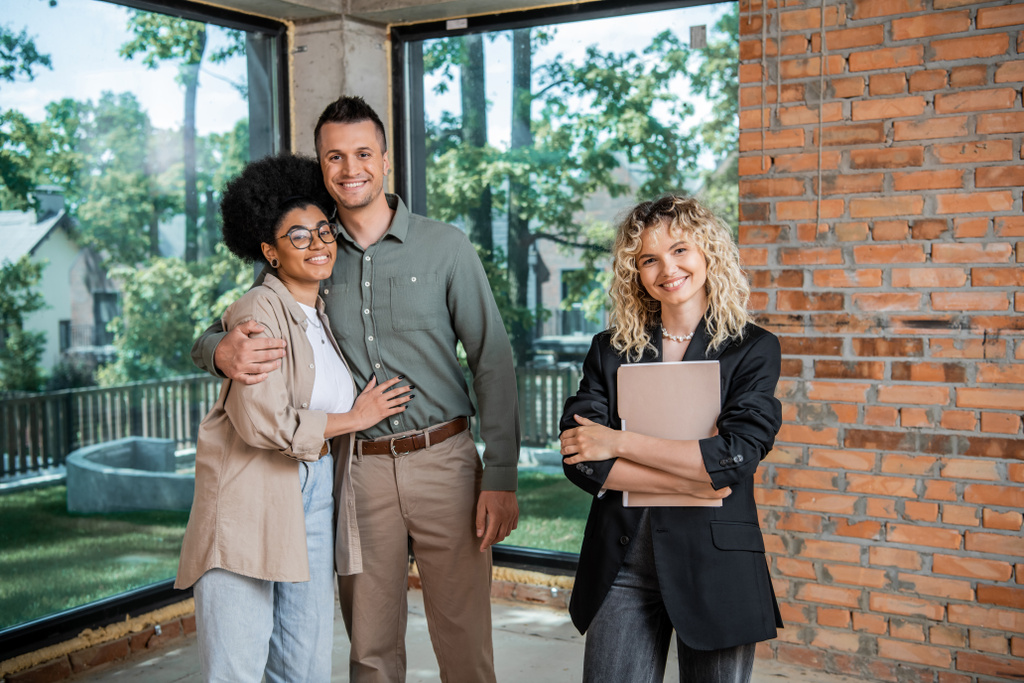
x=404, y=290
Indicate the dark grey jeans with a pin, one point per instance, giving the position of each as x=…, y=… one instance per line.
x=629, y=638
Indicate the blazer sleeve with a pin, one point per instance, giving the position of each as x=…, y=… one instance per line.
x=262, y=414
x=750, y=418
x=593, y=401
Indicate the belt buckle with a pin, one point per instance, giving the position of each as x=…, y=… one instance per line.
x=391, y=445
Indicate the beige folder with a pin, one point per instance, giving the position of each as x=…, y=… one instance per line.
x=669, y=401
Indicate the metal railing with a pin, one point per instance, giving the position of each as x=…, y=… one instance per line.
x=37, y=431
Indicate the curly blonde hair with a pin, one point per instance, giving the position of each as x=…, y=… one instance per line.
x=635, y=312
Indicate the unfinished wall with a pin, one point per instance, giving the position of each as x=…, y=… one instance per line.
x=881, y=224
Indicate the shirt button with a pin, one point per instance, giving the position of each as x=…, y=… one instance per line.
x=737, y=458
x=366, y=311
x=377, y=365
x=370, y=338
x=724, y=461
x=366, y=284
x=367, y=258
x=414, y=279
x=310, y=366
x=327, y=291
x=305, y=405
x=623, y=540
x=395, y=423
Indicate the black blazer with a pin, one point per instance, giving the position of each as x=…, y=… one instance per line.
x=710, y=560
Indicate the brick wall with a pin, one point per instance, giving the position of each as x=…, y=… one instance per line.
x=881, y=224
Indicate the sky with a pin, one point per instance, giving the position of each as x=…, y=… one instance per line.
x=83, y=37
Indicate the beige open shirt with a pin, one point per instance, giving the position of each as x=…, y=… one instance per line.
x=247, y=512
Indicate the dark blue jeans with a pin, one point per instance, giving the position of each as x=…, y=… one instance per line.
x=629, y=638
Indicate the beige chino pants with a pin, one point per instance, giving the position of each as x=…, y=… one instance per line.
x=428, y=496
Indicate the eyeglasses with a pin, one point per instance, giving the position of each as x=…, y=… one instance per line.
x=302, y=238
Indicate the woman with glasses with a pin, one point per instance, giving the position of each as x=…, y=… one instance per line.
x=259, y=546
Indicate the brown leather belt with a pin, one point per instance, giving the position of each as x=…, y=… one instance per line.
x=413, y=442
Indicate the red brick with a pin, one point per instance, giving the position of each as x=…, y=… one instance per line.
x=851, y=134
x=754, y=211
x=797, y=163
x=883, y=231
x=869, y=623
x=844, y=39
x=833, y=369
x=998, y=496
x=966, y=348
x=822, y=436
x=969, y=468
x=790, y=300
x=992, y=447
x=49, y=672
x=973, y=202
x=789, y=137
x=797, y=210
x=966, y=228
x=1010, y=226
x=886, y=84
x=928, y=277
x=834, y=618
x=880, y=486
x=823, y=457
x=1003, y=521
x=773, y=279
x=931, y=24
x=836, y=641
x=942, y=634
x=751, y=258
x=772, y=187
x=958, y=420
x=986, y=641
x=974, y=100
x=936, y=586
x=887, y=108
x=999, y=176
x=920, y=512
x=806, y=67
x=751, y=96
x=834, y=278
x=801, y=569
x=970, y=47
x=754, y=165
x=903, y=651
x=811, y=346
x=100, y=654
x=869, y=530
x=887, y=302
x=887, y=58
x=998, y=277
x=844, y=88
x=970, y=301
x=825, y=502
x=928, y=180
x=1002, y=122
x=999, y=399
x=805, y=479
x=995, y=17
x=968, y=76
x=892, y=157
x=882, y=347
x=960, y=515
x=987, y=665
x=894, y=557
x=843, y=183
x=801, y=20
x=931, y=228
x=930, y=79
x=869, y=9
x=974, y=615
x=829, y=595
x=905, y=606
x=871, y=207
x=974, y=152
x=933, y=537
x=972, y=252
x=881, y=416
x=995, y=544
x=1000, y=423
x=906, y=630
x=915, y=417
x=1009, y=72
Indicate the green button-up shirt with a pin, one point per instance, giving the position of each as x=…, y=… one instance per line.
x=399, y=307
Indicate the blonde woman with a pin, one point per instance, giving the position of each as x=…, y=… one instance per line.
x=678, y=295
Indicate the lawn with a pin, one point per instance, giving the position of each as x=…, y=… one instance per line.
x=51, y=560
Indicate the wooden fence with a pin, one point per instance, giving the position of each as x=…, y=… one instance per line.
x=38, y=431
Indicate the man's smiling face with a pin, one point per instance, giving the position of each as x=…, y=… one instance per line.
x=353, y=163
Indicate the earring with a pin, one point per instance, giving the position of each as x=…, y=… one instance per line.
x=274, y=263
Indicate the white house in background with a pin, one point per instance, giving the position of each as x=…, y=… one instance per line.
x=80, y=299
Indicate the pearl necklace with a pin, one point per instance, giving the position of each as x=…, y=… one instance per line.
x=675, y=338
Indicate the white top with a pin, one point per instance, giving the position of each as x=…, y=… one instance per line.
x=332, y=384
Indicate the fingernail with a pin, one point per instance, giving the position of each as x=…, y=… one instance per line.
x=412, y=396
x=401, y=377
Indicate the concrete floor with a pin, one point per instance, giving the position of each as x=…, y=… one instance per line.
x=532, y=643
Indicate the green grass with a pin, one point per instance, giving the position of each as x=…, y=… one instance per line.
x=51, y=560
x=552, y=513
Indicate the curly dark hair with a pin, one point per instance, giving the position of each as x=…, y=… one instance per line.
x=262, y=194
x=349, y=109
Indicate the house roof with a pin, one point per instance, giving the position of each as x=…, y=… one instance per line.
x=20, y=234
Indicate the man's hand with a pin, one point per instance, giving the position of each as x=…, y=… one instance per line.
x=246, y=360
x=497, y=515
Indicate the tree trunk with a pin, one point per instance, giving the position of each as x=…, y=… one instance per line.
x=519, y=239
x=190, y=76
x=474, y=132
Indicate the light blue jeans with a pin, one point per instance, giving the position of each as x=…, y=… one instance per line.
x=247, y=627
x=629, y=638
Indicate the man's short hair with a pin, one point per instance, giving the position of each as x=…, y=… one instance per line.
x=349, y=109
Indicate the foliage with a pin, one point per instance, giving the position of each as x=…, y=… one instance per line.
x=552, y=512
x=71, y=373
x=19, y=56
x=22, y=349
x=165, y=305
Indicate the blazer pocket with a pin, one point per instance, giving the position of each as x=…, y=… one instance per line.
x=737, y=536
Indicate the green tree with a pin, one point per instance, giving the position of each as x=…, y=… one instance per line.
x=159, y=37
x=21, y=349
x=19, y=56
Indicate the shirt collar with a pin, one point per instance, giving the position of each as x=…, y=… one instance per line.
x=298, y=315
x=399, y=228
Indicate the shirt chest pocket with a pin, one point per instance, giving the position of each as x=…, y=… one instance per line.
x=417, y=303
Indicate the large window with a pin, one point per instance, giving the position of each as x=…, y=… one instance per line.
x=118, y=128
x=534, y=132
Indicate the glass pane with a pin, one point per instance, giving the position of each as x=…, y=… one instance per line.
x=118, y=130
x=535, y=140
